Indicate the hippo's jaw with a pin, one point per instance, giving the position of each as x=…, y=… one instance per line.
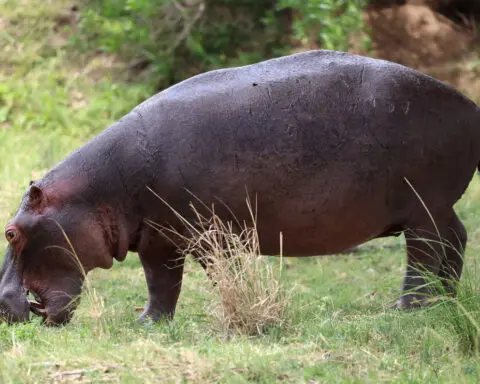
x=55, y=307
x=53, y=315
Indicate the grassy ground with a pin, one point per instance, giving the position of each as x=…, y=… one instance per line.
x=51, y=101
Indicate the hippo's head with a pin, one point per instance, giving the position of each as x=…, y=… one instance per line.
x=53, y=243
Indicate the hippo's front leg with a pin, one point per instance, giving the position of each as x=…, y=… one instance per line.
x=163, y=268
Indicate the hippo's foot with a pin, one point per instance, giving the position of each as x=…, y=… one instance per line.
x=155, y=315
x=414, y=301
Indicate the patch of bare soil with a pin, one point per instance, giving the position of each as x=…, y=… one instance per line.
x=416, y=35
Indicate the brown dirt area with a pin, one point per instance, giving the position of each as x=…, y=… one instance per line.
x=416, y=35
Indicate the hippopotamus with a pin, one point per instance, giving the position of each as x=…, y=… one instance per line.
x=337, y=149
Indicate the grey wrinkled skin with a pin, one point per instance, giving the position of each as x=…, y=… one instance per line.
x=330, y=144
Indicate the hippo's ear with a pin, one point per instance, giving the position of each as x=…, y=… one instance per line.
x=35, y=195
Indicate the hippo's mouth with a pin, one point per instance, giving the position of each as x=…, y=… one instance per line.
x=37, y=307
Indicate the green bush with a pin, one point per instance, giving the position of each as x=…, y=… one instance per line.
x=327, y=23
x=169, y=40
x=178, y=39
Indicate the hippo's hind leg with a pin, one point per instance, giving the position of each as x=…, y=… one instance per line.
x=451, y=269
x=432, y=251
x=163, y=267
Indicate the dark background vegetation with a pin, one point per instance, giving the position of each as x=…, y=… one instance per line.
x=165, y=41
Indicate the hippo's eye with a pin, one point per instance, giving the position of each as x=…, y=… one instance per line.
x=11, y=235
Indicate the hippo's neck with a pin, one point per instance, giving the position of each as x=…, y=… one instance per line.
x=108, y=170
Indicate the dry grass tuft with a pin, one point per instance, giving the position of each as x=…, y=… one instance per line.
x=247, y=295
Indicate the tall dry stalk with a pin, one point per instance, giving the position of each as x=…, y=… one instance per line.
x=247, y=295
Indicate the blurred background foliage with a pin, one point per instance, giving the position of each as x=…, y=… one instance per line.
x=78, y=65
x=169, y=40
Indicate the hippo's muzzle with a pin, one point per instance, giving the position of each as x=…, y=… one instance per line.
x=14, y=305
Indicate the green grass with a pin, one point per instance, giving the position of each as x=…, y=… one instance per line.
x=340, y=331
